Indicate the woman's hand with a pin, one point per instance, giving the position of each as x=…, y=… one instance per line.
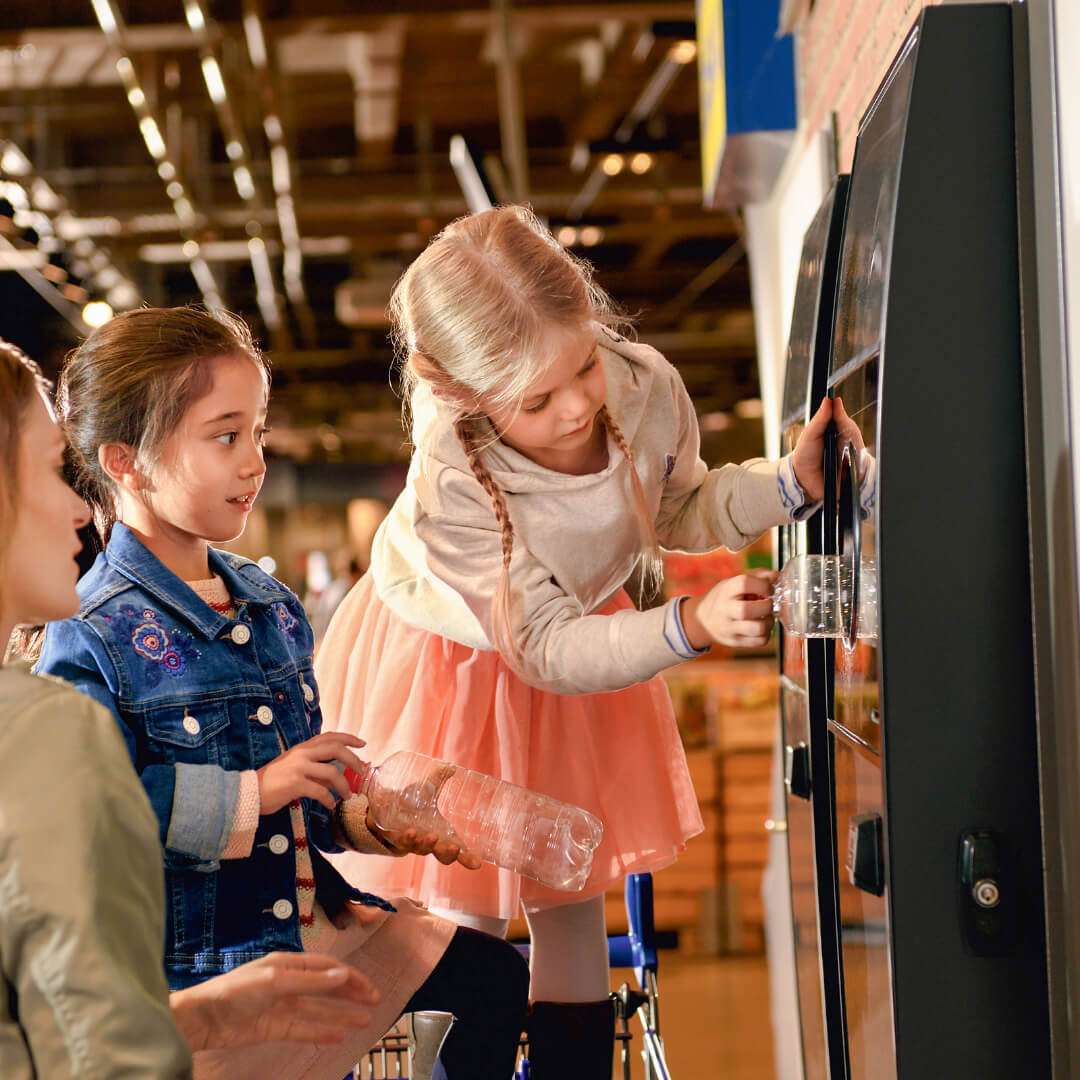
x=808, y=457
x=307, y=771
x=736, y=612
x=283, y=997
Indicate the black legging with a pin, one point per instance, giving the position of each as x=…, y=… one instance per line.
x=484, y=982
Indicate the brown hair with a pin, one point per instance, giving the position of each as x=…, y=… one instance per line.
x=20, y=379
x=132, y=380
x=468, y=318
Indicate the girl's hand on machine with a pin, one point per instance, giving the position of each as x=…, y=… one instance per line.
x=808, y=457
x=308, y=771
x=736, y=612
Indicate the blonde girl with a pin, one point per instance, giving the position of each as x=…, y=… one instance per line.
x=552, y=456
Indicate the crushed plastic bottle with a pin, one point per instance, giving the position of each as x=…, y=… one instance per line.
x=510, y=826
x=813, y=595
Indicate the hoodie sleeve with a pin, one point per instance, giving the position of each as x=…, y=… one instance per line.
x=703, y=508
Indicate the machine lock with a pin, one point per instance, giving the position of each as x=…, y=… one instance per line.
x=986, y=901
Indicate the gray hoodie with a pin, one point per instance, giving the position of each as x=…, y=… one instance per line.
x=437, y=556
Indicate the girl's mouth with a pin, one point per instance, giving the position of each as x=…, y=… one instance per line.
x=243, y=501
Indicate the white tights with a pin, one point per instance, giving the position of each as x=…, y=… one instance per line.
x=569, y=955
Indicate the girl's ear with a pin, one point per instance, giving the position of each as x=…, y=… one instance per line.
x=118, y=461
x=451, y=395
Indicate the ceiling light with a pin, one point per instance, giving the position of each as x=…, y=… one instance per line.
x=136, y=97
x=641, y=163
x=683, y=52
x=167, y=170
x=105, y=17
x=215, y=84
x=190, y=249
x=244, y=184
x=613, y=164
x=233, y=150
x=174, y=189
x=152, y=137
x=567, y=236
x=97, y=313
x=591, y=235
x=194, y=15
x=715, y=421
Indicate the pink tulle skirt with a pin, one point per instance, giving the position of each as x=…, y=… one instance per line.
x=617, y=755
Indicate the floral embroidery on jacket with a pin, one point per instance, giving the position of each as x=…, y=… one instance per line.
x=169, y=651
x=286, y=619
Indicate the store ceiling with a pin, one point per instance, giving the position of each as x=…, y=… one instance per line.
x=368, y=95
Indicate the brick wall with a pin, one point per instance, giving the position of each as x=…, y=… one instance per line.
x=845, y=47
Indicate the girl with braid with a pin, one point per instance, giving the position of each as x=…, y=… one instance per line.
x=551, y=457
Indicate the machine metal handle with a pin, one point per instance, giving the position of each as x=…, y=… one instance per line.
x=849, y=465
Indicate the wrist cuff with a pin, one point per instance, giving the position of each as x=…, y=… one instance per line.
x=675, y=634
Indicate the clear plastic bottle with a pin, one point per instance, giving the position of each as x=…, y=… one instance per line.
x=533, y=835
x=813, y=597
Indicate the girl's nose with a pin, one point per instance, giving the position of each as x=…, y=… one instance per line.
x=82, y=515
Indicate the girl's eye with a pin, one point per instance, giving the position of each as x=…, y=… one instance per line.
x=261, y=436
x=228, y=438
x=588, y=367
x=539, y=406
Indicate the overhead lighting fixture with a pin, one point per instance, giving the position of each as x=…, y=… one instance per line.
x=613, y=164
x=194, y=15
x=468, y=175
x=253, y=34
x=716, y=421
x=14, y=162
x=245, y=186
x=591, y=235
x=683, y=52
x=97, y=313
x=105, y=16
x=234, y=150
x=641, y=163
x=215, y=84
x=151, y=134
x=567, y=236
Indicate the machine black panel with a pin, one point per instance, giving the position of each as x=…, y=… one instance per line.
x=934, y=716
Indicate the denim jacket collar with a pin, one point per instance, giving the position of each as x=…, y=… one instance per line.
x=130, y=557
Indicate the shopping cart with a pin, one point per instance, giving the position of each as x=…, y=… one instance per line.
x=636, y=949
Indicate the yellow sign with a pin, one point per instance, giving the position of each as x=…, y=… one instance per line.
x=710, y=55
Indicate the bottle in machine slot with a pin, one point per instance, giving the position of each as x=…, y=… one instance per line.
x=819, y=596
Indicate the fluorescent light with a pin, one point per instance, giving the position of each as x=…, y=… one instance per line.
x=194, y=15
x=613, y=164
x=683, y=52
x=233, y=150
x=166, y=170
x=641, y=163
x=14, y=162
x=279, y=169
x=136, y=97
x=244, y=184
x=105, y=17
x=152, y=137
x=256, y=43
x=215, y=84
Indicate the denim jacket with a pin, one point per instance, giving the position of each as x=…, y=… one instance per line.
x=199, y=698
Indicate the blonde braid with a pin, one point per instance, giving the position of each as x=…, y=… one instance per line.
x=505, y=639
x=652, y=565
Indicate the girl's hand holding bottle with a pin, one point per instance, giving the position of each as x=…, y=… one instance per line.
x=308, y=771
x=736, y=612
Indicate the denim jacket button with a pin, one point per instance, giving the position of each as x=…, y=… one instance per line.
x=282, y=909
x=309, y=694
x=264, y=714
x=279, y=844
x=191, y=725
x=240, y=634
